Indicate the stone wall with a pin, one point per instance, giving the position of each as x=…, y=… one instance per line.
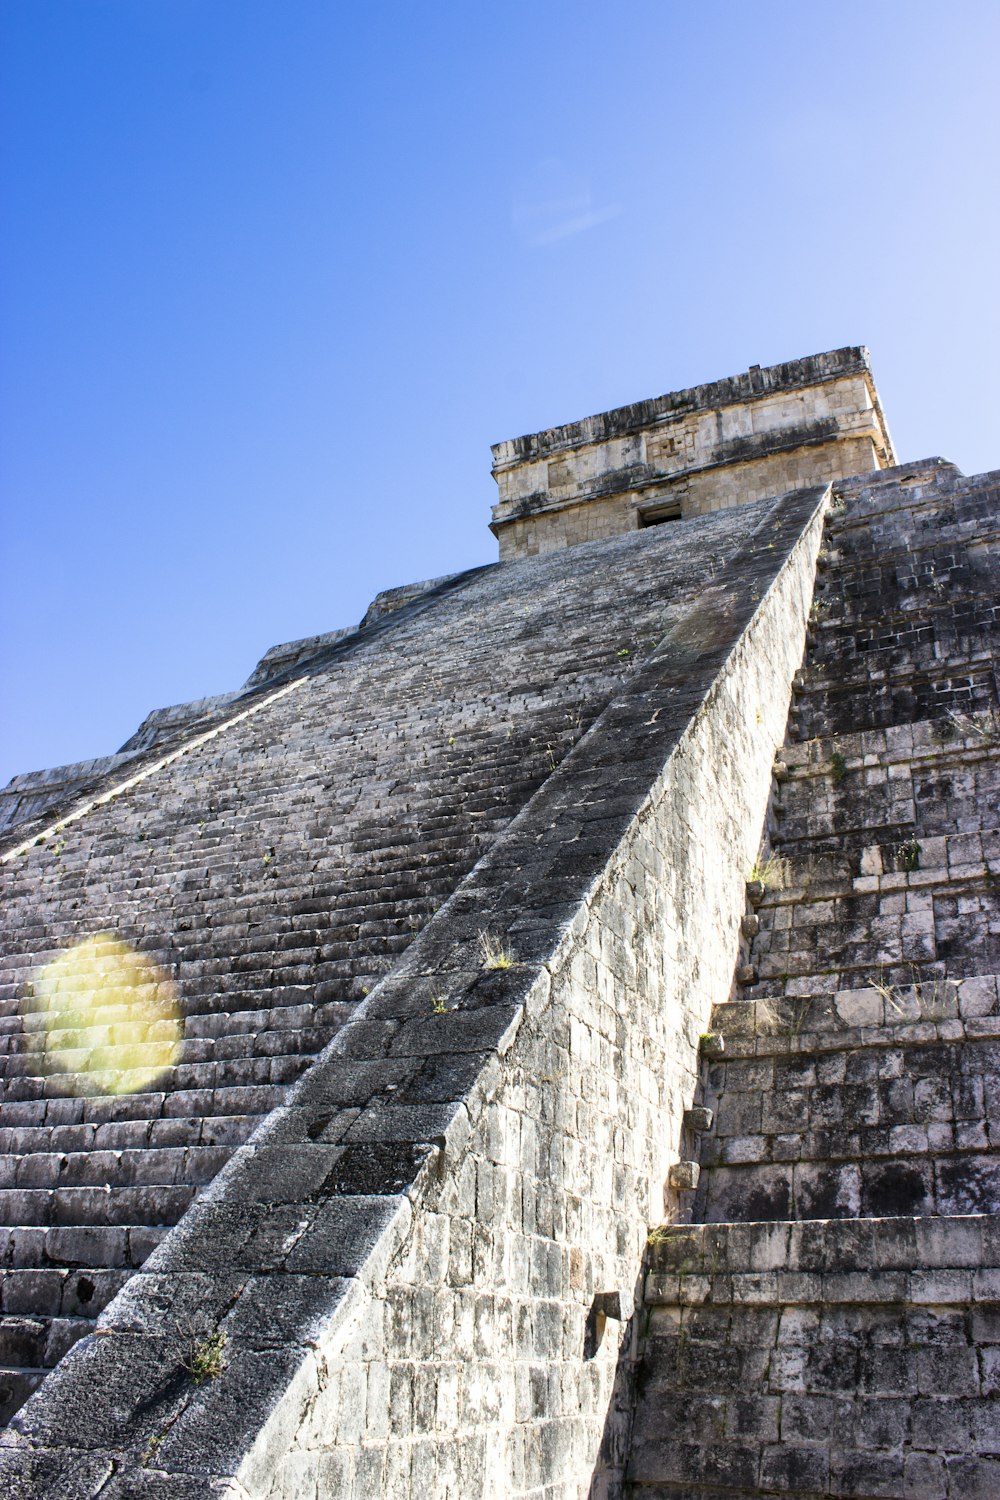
x=862, y=1359
x=736, y=483
x=30, y=795
x=404, y=1269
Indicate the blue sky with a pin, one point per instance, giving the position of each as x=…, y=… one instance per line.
x=275, y=277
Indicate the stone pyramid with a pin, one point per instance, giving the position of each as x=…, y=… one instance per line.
x=475, y=1059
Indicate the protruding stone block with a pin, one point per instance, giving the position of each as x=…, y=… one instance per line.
x=683, y=1176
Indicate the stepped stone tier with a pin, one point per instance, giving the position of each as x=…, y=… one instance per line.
x=475, y=1058
x=830, y=1322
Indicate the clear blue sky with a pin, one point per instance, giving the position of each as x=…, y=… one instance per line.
x=275, y=275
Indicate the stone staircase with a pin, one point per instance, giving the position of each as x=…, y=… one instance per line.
x=829, y=1324
x=273, y=860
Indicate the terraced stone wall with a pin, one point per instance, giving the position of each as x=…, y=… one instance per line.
x=823, y=1358
x=830, y=1325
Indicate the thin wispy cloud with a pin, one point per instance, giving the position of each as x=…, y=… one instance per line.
x=555, y=203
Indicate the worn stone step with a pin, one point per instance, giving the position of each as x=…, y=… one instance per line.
x=216, y=1073
x=38, y=1342
x=938, y=1182
x=840, y=866
x=884, y=699
x=911, y=631
x=78, y=1246
x=908, y=927
x=846, y=807
x=856, y=923
x=937, y=679
x=192, y=1165
x=849, y=1103
x=16, y=1385
x=234, y=1045
x=35, y=1105
x=816, y=1261
x=908, y=746
x=152, y=1204
x=878, y=1014
x=127, y=1134
x=54, y=1292
x=927, y=1099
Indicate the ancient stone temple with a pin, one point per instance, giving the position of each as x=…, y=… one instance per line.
x=545, y=1041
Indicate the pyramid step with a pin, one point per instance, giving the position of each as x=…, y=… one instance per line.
x=945, y=928
x=859, y=1102
x=880, y=1015
x=828, y=1188
x=265, y=1033
x=900, y=872
x=189, y=1165
x=52, y=1292
x=881, y=702
x=39, y=1107
x=127, y=1135
x=38, y=1341
x=151, y=1204
x=845, y=806
x=217, y=1076
x=80, y=1247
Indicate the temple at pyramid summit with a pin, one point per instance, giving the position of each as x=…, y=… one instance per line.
x=542, y=1042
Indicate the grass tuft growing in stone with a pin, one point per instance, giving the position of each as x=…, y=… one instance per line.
x=908, y=856
x=772, y=872
x=493, y=953
x=207, y=1360
x=985, y=726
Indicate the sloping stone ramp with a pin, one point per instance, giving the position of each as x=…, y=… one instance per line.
x=378, y=1229
x=829, y=1323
